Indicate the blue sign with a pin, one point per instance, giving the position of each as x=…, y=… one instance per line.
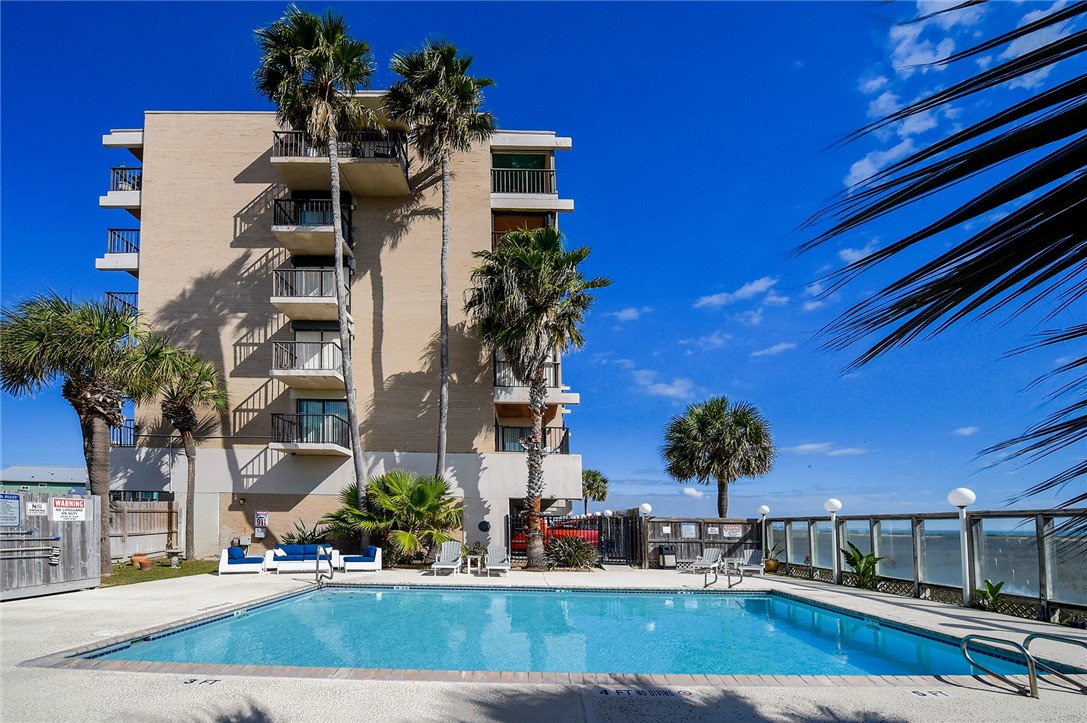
x=10, y=510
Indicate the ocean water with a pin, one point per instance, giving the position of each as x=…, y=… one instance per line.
x=558, y=631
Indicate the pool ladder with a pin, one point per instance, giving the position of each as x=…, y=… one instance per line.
x=1032, y=663
x=319, y=575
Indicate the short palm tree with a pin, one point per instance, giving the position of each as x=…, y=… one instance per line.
x=441, y=104
x=189, y=384
x=409, y=512
x=594, y=486
x=91, y=348
x=310, y=69
x=719, y=440
x=527, y=302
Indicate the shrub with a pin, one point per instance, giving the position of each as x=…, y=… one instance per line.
x=864, y=567
x=570, y=552
x=302, y=535
x=988, y=598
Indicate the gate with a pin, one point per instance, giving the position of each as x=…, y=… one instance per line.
x=618, y=539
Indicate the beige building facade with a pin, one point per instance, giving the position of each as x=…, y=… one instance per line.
x=225, y=223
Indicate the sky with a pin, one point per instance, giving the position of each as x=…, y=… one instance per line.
x=704, y=134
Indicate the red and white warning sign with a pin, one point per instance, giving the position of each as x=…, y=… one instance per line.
x=69, y=509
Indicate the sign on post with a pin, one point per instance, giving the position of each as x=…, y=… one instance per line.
x=9, y=510
x=37, y=509
x=69, y=509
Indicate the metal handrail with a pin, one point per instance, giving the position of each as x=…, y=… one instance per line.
x=125, y=179
x=504, y=376
x=551, y=445
x=307, y=283
x=1058, y=639
x=123, y=241
x=126, y=301
x=124, y=435
x=310, y=429
x=307, y=355
x=1032, y=673
x=320, y=576
x=388, y=145
x=523, y=180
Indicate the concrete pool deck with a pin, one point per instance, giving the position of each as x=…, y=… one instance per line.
x=40, y=627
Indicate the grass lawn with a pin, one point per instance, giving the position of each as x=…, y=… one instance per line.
x=125, y=574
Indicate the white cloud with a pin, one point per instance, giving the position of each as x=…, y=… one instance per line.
x=775, y=349
x=877, y=160
x=747, y=291
x=751, y=318
x=851, y=255
x=631, y=313
x=775, y=299
x=813, y=305
x=678, y=388
x=811, y=448
x=814, y=289
x=1033, y=41
x=693, y=492
x=872, y=84
x=846, y=451
x=917, y=123
x=884, y=104
x=716, y=340
x=966, y=431
x=963, y=16
x=910, y=50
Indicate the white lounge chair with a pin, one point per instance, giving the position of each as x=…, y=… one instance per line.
x=710, y=559
x=751, y=561
x=449, y=558
x=233, y=559
x=498, y=559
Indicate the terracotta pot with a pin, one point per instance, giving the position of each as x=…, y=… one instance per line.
x=137, y=559
x=145, y=564
x=772, y=565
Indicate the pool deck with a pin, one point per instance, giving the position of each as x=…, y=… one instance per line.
x=111, y=690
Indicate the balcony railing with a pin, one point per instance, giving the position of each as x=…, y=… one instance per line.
x=556, y=440
x=307, y=283
x=125, y=435
x=352, y=145
x=123, y=241
x=125, y=179
x=523, y=180
x=504, y=376
x=307, y=355
x=126, y=301
x=310, y=429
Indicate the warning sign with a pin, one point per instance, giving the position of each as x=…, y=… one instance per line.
x=37, y=509
x=9, y=510
x=69, y=509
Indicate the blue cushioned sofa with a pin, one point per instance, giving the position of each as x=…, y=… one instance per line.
x=233, y=559
x=300, y=558
x=369, y=560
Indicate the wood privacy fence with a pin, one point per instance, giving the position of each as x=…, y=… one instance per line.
x=691, y=537
x=48, y=547
x=141, y=527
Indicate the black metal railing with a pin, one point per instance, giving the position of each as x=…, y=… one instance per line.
x=125, y=435
x=619, y=538
x=321, y=356
x=123, y=241
x=556, y=440
x=307, y=283
x=126, y=301
x=523, y=180
x=310, y=429
x=352, y=145
x=125, y=179
x=504, y=376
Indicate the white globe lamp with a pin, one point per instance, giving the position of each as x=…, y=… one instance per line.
x=646, y=508
x=962, y=498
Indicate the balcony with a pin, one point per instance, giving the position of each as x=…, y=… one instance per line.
x=308, y=364
x=371, y=163
x=310, y=434
x=508, y=439
x=124, y=190
x=508, y=389
x=130, y=138
x=526, y=189
x=307, y=294
x=122, y=251
x=126, y=301
x=125, y=435
x=304, y=226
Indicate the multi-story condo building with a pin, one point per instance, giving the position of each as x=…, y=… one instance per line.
x=233, y=258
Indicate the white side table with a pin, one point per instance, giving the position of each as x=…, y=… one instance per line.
x=478, y=559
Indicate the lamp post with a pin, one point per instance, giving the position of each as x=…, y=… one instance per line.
x=962, y=498
x=608, y=513
x=832, y=506
x=763, y=512
x=645, y=508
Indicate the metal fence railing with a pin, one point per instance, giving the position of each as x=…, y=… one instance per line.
x=123, y=241
x=125, y=179
x=523, y=180
x=352, y=145
x=126, y=301
x=556, y=440
x=323, y=356
x=504, y=376
x=314, y=283
x=125, y=435
x=310, y=429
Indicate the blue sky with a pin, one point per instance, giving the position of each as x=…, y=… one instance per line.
x=702, y=138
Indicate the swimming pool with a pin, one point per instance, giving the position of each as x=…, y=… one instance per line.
x=556, y=631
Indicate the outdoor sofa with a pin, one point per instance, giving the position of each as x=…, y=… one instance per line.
x=369, y=561
x=301, y=558
x=233, y=559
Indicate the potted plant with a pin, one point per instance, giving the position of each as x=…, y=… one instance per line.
x=770, y=558
x=988, y=597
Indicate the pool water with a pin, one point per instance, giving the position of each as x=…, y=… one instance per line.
x=558, y=631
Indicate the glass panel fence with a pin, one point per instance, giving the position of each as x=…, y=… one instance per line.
x=824, y=548
x=895, y=543
x=798, y=543
x=1067, y=554
x=941, y=561
x=775, y=540
x=1007, y=551
x=857, y=532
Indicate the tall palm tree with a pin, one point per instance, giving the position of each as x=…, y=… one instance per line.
x=441, y=104
x=189, y=384
x=310, y=69
x=594, y=486
x=720, y=440
x=528, y=301
x=91, y=348
x=1025, y=243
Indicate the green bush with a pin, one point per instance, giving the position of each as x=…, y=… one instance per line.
x=570, y=552
x=302, y=535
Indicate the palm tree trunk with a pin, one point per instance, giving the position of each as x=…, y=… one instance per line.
x=537, y=395
x=96, y=449
x=722, y=498
x=190, y=494
x=585, y=505
x=443, y=331
x=341, y=310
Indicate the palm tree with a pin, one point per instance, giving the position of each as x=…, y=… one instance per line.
x=310, y=69
x=1024, y=239
x=721, y=440
x=188, y=384
x=411, y=513
x=527, y=302
x=594, y=486
x=91, y=348
x=441, y=104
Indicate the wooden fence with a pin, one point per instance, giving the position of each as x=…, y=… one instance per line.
x=141, y=527
x=691, y=537
x=46, y=547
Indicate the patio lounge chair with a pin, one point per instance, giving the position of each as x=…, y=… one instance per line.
x=233, y=559
x=751, y=561
x=710, y=559
x=448, y=558
x=498, y=559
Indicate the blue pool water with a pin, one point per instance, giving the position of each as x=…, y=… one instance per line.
x=557, y=631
